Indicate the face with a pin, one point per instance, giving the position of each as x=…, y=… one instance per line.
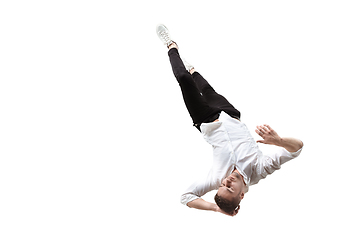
x=232, y=187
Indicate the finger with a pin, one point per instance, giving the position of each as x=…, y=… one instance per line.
x=269, y=127
x=260, y=141
x=259, y=132
x=259, y=128
x=235, y=212
x=265, y=128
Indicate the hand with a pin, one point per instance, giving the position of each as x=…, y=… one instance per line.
x=268, y=134
x=232, y=214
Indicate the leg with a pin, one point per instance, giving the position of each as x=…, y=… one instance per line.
x=213, y=98
x=198, y=108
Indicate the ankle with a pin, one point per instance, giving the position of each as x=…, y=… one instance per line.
x=173, y=45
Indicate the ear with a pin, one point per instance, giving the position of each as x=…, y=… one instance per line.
x=242, y=195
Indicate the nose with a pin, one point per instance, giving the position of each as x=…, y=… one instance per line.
x=227, y=182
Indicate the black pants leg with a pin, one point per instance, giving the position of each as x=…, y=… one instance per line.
x=213, y=98
x=202, y=107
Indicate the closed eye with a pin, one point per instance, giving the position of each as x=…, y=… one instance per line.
x=229, y=188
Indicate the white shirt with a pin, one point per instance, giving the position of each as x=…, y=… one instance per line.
x=234, y=147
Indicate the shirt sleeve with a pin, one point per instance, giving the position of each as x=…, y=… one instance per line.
x=268, y=163
x=198, y=189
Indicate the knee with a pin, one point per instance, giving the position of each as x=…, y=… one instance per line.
x=207, y=89
x=184, y=77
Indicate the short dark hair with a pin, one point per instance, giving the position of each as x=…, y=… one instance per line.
x=226, y=205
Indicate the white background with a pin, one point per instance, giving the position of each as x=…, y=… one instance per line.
x=96, y=143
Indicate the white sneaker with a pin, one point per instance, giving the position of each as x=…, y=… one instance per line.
x=188, y=66
x=164, y=35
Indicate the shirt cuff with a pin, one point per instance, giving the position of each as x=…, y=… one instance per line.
x=188, y=197
x=297, y=153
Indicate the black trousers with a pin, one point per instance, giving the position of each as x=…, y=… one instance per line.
x=201, y=100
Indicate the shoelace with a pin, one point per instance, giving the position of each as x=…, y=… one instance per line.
x=165, y=37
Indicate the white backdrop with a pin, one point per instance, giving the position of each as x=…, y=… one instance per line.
x=96, y=143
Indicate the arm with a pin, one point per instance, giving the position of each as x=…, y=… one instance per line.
x=204, y=205
x=271, y=137
x=290, y=148
x=201, y=204
x=192, y=196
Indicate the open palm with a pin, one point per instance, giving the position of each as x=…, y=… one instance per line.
x=268, y=135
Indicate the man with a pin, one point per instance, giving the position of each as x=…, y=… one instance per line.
x=237, y=160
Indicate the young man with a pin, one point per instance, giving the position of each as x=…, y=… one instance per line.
x=237, y=160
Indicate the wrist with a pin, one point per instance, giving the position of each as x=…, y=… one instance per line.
x=215, y=208
x=280, y=142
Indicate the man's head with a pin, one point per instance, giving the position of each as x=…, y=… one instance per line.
x=230, y=193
